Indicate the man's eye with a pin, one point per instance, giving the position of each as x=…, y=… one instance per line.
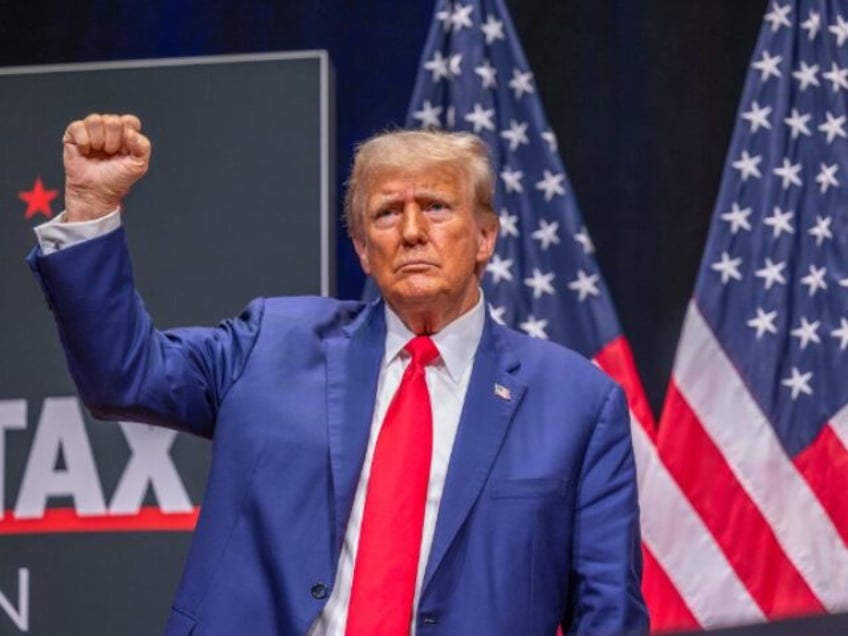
x=384, y=217
x=438, y=206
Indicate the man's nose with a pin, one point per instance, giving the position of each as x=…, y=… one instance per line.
x=413, y=223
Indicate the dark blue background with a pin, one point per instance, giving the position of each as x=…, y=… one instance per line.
x=642, y=96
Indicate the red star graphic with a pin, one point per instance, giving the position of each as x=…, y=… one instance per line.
x=38, y=200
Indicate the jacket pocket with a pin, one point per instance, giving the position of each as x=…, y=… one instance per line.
x=530, y=488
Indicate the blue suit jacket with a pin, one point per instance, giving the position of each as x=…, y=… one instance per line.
x=538, y=524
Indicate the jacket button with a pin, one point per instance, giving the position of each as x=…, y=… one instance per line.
x=319, y=591
x=429, y=619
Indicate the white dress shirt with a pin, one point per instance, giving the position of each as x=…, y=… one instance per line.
x=56, y=234
x=447, y=381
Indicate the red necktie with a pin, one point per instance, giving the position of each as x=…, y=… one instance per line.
x=386, y=565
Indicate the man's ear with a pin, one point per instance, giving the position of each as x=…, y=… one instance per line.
x=362, y=253
x=489, y=225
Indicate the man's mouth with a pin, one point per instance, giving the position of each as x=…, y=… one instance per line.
x=415, y=266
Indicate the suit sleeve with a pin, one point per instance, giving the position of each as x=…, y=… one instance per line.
x=123, y=367
x=607, y=546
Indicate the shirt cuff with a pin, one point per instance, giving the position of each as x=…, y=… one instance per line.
x=58, y=234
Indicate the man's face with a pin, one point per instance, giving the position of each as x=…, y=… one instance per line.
x=422, y=241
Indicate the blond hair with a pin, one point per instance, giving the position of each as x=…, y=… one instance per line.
x=413, y=150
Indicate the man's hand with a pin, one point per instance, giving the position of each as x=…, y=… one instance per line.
x=104, y=156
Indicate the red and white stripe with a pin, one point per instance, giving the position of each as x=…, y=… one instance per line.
x=735, y=530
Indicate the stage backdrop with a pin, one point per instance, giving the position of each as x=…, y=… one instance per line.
x=96, y=517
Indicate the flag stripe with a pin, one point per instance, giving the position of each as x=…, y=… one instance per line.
x=644, y=451
x=671, y=610
x=839, y=422
x=732, y=518
x=696, y=566
x=720, y=400
x=616, y=358
x=824, y=464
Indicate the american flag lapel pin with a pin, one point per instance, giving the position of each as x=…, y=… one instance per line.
x=502, y=392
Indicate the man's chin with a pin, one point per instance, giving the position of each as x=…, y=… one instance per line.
x=416, y=290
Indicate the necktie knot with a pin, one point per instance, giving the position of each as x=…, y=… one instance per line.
x=422, y=350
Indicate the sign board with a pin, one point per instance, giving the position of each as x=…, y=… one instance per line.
x=97, y=518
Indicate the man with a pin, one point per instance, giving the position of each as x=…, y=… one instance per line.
x=405, y=465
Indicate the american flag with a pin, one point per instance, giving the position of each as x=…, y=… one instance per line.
x=543, y=279
x=749, y=502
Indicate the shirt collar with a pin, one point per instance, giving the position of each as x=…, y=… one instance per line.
x=456, y=342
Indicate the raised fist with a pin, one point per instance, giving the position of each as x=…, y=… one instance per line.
x=104, y=156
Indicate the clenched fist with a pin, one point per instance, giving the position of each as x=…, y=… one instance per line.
x=104, y=156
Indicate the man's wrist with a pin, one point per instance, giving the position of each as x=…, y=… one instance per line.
x=87, y=206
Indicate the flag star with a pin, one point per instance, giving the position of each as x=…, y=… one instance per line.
x=837, y=76
x=771, y=273
x=778, y=16
x=516, y=135
x=728, y=267
x=493, y=29
x=780, y=222
x=540, y=283
x=547, y=233
x=535, y=328
x=444, y=16
x=827, y=177
x=758, y=116
x=798, y=382
x=747, y=165
x=763, y=322
x=438, y=66
x=789, y=173
x=453, y=65
x=461, y=16
x=585, y=285
x=487, y=73
x=428, y=115
x=841, y=333
x=551, y=184
x=806, y=75
x=840, y=30
x=738, y=218
x=499, y=268
x=798, y=123
x=509, y=224
x=812, y=25
x=767, y=66
x=807, y=332
x=512, y=179
x=821, y=230
x=550, y=139
x=843, y=282
x=481, y=118
x=833, y=127
x=815, y=279
x=521, y=82
x=585, y=240
x=497, y=314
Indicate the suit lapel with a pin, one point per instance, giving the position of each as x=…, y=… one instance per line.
x=490, y=403
x=353, y=370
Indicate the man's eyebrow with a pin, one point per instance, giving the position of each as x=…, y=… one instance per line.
x=383, y=198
